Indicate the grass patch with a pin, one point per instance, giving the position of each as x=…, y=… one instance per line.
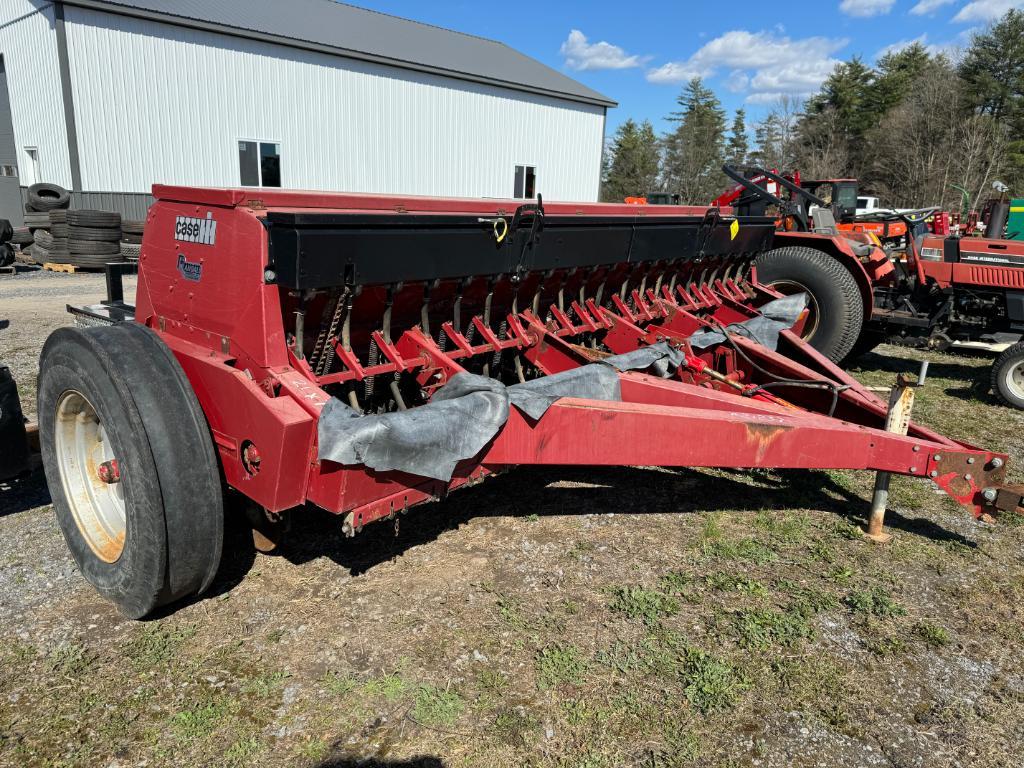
x=436, y=706
x=712, y=685
x=157, y=644
x=242, y=752
x=70, y=660
x=749, y=550
x=725, y=582
x=199, y=721
x=263, y=686
x=788, y=528
x=559, y=664
x=932, y=634
x=808, y=601
x=886, y=646
x=514, y=727
x=338, y=683
x=640, y=603
x=874, y=602
x=675, y=582
x=390, y=686
x=764, y=628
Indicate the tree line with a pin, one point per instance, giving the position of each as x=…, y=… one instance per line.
x=917, y=129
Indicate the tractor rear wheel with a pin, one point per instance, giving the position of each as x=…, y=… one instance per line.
x=130, y=464
x=1008, y=376
x=835, y=307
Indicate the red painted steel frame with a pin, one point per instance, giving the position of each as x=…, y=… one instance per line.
x=228, y=332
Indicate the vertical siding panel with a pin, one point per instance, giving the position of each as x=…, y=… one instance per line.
x=157, y=103
x=29, y=48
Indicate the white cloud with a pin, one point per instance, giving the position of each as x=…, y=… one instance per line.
x=799, y=79
x=865, y=8
x=986, y=10
x=934, y=49
x=738, y=81
x=899, y=45
x=925, y=7
x=582, y=55
x=766, y=98
x=761, y=61
x=675, y=72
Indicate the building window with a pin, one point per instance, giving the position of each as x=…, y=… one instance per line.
x=526, y=182
x=259, y=163
x=34, y=175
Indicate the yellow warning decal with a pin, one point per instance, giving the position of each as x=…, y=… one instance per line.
x=1017, y=209
x=734, y=229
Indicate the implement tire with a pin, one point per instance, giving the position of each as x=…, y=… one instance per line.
x=116, y=393
x=1008, y=376
x=836, y=308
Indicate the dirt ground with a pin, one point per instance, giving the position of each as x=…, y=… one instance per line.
x=549, y=617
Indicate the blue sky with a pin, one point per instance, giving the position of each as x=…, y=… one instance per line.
x=640, y=54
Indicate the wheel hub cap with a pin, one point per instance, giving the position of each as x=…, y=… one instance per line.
x=90, y=475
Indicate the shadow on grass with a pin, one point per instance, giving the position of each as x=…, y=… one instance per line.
x=354, y=762
x=554, y=491
x=975, y=380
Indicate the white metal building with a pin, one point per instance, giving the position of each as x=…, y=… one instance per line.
x=108, y=97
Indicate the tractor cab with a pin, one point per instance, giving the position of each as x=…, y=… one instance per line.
x=839, y=194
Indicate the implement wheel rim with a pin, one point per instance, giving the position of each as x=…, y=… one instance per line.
x=83, y=447
x=791, y=287
x=1013, y=378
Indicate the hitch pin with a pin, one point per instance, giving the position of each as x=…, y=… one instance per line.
x=897, y=421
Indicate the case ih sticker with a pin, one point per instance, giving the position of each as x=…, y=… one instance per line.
x=190, y=270
x=189, y=229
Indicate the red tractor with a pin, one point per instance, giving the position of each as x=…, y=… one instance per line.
x=939, y=293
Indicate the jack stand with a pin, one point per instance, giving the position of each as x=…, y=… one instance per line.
x=897, y=421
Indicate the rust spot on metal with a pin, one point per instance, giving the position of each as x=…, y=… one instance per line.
x=763, y=435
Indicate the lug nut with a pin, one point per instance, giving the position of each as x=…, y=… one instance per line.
x=989, y=494
x=997, y=463
x=970, y=459
x=109, y=472
x=934, y=473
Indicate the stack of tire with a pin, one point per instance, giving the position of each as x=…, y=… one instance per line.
x=94, y=237
x=131, y=239
x=42, y=199
x=51, y=244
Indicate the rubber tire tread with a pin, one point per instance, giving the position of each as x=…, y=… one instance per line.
x=92, y=218
x=54, y=197
x=93, y=247
x=133, y=226
x=840, y=305
x=175, y=503
x=866, y=342
x=1009, y=357
x=100, y=234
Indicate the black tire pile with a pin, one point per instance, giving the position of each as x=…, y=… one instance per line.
x=94, y=238
x=42, y=200
x=131, y=239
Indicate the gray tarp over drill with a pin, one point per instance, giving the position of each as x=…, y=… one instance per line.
x=468, y=411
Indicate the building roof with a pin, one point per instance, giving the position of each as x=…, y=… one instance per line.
x=346, y=30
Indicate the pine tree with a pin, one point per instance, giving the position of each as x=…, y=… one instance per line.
x=895, y=76
x=993, y=73
x=695, y=150
x=739, y=145
x=632, y=167
x=993, y=67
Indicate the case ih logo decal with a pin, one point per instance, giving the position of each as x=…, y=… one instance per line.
x=192, y=230
x=190, y=270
